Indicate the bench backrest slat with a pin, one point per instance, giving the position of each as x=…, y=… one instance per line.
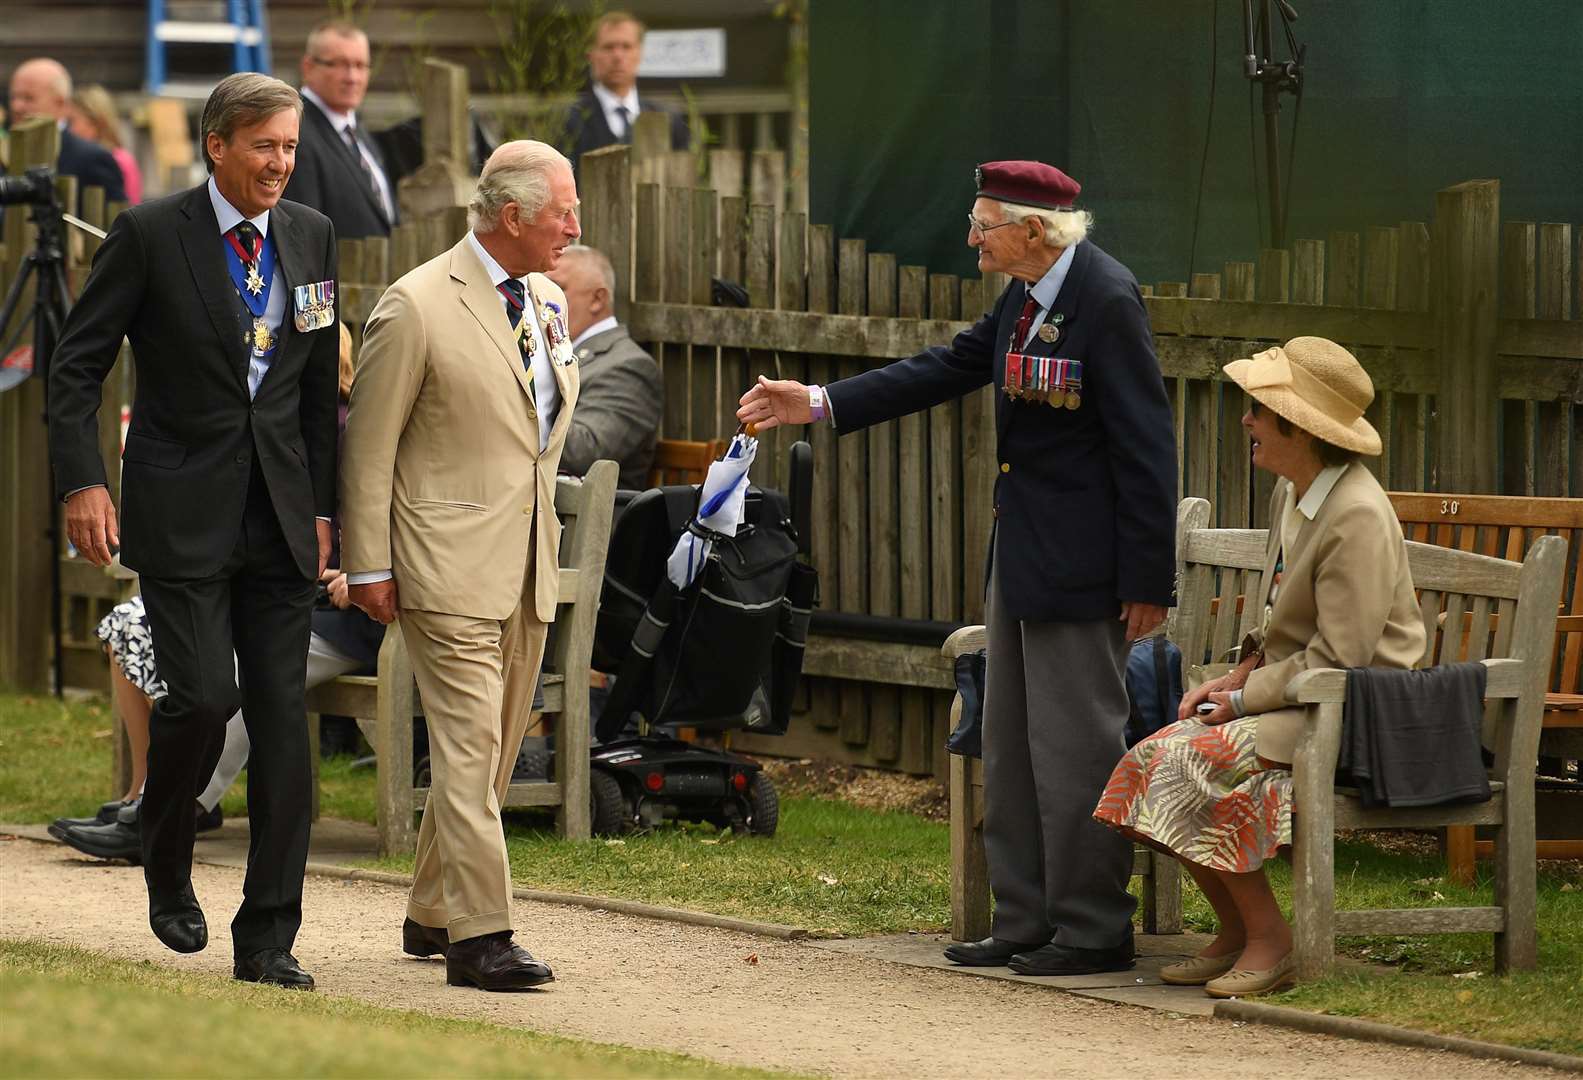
x=1507, y=526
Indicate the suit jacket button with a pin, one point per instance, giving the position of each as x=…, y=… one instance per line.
x=995, y=511
x=527, y=509
x=241, y=459
x=1005, y=466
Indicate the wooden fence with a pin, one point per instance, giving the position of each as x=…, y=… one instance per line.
x=1467, y=324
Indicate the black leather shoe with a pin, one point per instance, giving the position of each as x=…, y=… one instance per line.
x=208, y=820
x=493, y=962
x=105, y=815
x=177, y=920
x=115, y=841
x=420, y=940
x=991, y=952
x=1056, y=959
x=273, y=967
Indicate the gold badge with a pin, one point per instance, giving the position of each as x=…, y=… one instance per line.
x=263, y=340
x=1048, y=332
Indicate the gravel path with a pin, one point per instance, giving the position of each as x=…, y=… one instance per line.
x=711, y=993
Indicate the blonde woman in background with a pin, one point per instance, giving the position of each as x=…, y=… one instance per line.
x=92, y=116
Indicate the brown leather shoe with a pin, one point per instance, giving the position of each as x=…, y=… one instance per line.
x=493, y=962
x=420, y=940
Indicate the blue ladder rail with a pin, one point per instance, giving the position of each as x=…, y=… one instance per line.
x=245, y=30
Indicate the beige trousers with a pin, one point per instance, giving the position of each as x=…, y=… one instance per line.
x=476, y=677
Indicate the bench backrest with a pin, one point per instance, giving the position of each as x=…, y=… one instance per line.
x=677, y=461
x=1506, y=526
x=1470, y=602
x=584, y=508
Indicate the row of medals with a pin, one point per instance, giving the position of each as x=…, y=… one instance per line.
x=1070, y=396
x=261, y=339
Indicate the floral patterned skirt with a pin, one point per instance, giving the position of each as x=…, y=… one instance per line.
x=1199, y=790
x=125, y=633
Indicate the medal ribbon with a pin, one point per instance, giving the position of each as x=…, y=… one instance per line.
x=263, y=260
x=516, y=311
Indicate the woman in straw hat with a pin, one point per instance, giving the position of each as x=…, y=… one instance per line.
x=1215, y=788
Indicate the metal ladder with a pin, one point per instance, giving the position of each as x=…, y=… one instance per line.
x=243, y=28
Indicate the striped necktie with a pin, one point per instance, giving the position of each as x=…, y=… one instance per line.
x=516, y=308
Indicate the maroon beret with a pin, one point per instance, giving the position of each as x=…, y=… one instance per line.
x=1032, y=183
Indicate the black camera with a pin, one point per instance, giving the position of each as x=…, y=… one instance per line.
x=36, y=187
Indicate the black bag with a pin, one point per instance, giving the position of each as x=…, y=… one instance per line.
x=726, y=652
x=968, y=738
x=1154, y=687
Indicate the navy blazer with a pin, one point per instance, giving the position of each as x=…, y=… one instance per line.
x=92, y=165
x=160, y=280
x=1085, y=499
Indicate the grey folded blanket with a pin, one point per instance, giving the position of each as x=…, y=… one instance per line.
x=1411, y=738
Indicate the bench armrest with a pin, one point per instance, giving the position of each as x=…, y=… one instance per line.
x=1504, y=677
x=965, y=639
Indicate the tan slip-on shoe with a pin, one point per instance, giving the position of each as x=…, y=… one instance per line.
x=1243, y=983
x=1197, y=971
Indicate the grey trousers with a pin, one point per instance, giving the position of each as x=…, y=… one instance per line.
x=1055, y=706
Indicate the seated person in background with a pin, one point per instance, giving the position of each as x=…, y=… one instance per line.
x=1341, y=596
x=344, y=642
x=621, y=396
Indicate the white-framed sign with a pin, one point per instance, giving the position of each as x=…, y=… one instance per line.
x=684, y=54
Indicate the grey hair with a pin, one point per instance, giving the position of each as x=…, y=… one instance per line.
x=601, y=261
x=1062, y=228
x=517, y=172
x=242, y=100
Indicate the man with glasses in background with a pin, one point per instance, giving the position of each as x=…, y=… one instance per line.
x=340, y=171
x=1082, y=551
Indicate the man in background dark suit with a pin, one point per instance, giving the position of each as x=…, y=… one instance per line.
x=604, y=113
x=621, y=397
x=1082, y=552
x=340, y=171
x=40, y=89
x=226, y=293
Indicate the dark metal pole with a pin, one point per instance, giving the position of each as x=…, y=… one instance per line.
x=1272, y=127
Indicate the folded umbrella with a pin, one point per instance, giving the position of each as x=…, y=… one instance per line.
x=719, y=511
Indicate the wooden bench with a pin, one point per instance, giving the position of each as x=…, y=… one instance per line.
x=1511, y=611
x=1161, y=874
x=1505, y=526
x=678, y=461
x=385, y=704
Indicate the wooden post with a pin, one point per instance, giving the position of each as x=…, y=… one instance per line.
x=1465, y=280
x=445, y=177
x=605, y=187
x=25, y=477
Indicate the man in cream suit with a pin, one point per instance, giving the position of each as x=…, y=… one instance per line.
x=463, y=398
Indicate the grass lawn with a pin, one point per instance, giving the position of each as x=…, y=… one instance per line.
x=838, y=867
x=98, y=1014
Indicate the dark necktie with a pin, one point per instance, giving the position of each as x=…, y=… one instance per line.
x=625, y=134
x=368, y=170
x=516, y=304
x=1019, y=338
x=247, y=235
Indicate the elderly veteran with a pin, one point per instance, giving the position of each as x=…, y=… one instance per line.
x=1081, y=552
x=1215, y=788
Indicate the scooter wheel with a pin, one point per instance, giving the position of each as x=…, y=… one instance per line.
x=607, y=806
x=765, y=805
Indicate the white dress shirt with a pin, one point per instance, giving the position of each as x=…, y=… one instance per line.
x=607, y=323
x=342, y=122
x=608, y=102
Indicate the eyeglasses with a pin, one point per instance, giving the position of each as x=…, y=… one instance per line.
x=356, y=66
x=975, y=225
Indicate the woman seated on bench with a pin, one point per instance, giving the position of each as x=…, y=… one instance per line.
x=1215, y=789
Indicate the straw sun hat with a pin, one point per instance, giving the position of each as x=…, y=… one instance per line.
x=1317, y=385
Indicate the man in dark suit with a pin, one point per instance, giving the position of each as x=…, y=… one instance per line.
x=340, y=171
x=41, y=88
x=604, y=113
x=621, y=397
x=1081, y=555
x=226, y=293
